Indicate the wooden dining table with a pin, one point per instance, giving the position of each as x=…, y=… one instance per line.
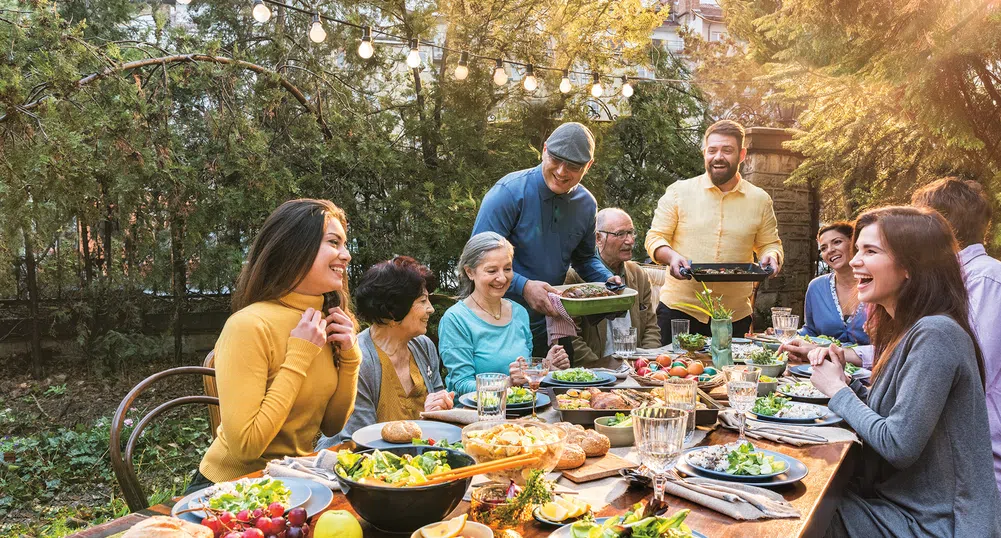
x=816, y=497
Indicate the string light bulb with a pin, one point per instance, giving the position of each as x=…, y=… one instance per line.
x=565, y=85
x=184, y=2
x=462, y=70
x=261, y=12
x=596, y=89
x=414, y=58
x=365, y=48
x=500, y=75
x=627, y=88
x=530, y=82
x=316, y=32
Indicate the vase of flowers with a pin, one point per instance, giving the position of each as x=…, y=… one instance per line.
x=720, y=324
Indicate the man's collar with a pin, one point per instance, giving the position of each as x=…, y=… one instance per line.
x=970, y=252
x=707, y=183
x=620, y=272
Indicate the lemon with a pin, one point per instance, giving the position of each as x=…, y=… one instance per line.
x=416, y=475
x=445, y=529
x=574, y=507
x=553, y=512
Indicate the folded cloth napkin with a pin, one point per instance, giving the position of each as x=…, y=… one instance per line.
x=559, y=326
x=319, y=468
x=791, y=435
x=455, y=416
x=739, y=501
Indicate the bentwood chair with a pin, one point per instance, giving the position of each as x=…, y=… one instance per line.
x=208, y=382
x=122, y=463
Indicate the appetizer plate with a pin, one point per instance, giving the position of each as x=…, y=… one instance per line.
x=371, y=436
x=827, y=419
x=604, y=378
x=566, y=532
x=804, y=399
x=303, y=492
x=797, y=471
x=741, y=478
x=805, y=370
x=541, y=401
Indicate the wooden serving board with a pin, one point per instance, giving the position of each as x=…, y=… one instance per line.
x=597, y=468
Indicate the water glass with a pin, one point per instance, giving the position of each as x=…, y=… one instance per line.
x=786, y=326
x=678, y=326
x=680, y=393
x=741, y=391
x=780, y=311
x=625, y=341
x=660, y=438
x=491, y=396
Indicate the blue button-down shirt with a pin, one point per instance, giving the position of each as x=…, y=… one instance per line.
x=549, y=231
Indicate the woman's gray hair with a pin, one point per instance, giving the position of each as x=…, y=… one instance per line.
x=472, y=254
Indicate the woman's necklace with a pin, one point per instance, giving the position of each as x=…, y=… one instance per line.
x=496, y=316
x=852, y=302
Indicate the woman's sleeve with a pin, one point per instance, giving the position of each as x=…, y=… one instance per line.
x=252, y=412
x=342, y=403
x=435, y=362
x=365, y=405
x=809, y=311
x=457, y=353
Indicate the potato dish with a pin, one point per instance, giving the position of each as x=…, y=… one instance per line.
x=492, y=440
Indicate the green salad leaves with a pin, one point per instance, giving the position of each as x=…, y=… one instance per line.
x=390, y=469
x=638, y=522
x=620, y=420
x=769, y=405
x=575, y=375
x=745, y=461
x=248, y=495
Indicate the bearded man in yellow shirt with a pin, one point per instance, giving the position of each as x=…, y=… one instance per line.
x=716, y=217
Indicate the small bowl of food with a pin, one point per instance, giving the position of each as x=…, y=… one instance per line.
x=771, y=363
x=618, y=429
x=767, y=385
x=459, y=527
x=491, y=506
x=492, y=440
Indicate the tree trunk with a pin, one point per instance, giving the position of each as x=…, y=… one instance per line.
x=107, y=226
x=37, y=359
x=88, y=271
x=428, y=150
x=179, y=282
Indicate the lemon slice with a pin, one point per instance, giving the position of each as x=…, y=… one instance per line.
x=574, y=508
x=416, y=475
x=553, y=511
x=445, y=529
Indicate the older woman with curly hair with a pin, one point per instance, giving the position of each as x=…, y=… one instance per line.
x=400, y=374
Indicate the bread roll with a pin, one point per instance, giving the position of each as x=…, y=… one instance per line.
x=572, y=458
x=595, y=444
x=401, y=431
x=167, y=527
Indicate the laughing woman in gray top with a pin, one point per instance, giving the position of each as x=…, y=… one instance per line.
x=399, y=376
x=927, y=465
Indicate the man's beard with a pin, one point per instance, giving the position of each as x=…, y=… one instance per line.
x=719, y=177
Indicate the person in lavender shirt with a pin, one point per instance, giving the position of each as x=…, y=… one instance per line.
x=967, y=208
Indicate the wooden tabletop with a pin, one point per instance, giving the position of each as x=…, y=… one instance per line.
x=815, y=496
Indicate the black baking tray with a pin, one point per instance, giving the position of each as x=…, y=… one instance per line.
x=752, y=272
x=585, y=417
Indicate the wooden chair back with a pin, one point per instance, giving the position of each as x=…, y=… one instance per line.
x=208, y=382
x=121, y=462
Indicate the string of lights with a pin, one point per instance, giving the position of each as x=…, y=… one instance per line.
x=366, y=49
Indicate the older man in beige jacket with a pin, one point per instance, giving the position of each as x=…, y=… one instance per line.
x=615, y=237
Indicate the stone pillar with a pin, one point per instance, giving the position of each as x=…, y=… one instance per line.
x=768, y=165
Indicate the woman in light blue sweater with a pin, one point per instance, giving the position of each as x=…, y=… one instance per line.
x=484, y=332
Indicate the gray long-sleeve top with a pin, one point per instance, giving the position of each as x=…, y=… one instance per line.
x=927, y=465
x=370, y=383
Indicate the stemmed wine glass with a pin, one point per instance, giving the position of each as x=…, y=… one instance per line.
x=742, y=390
x=535, y=369
x=660, y=438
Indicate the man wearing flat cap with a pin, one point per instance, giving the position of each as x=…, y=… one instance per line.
x=549, y=218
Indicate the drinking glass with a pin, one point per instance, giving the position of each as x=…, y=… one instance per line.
x=786, y=326
x=780, y=311
x=680, y=393
x=625, y=341
x=535, y=369
x=660, y=438
x=742, y=390
x=678, y=326
x=491, y=396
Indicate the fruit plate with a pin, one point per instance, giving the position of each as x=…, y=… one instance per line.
x=541, y=400
x=371, y=436
x=314, y=497
x=797, y=471
x=566, y=532
x=597, y=305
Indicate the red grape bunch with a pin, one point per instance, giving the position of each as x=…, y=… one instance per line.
x=269, y=522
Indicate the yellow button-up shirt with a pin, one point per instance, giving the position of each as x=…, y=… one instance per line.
x=707, y=225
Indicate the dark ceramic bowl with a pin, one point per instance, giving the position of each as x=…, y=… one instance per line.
x=402, y=510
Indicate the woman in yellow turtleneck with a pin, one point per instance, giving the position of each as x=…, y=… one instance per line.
x=284, y=370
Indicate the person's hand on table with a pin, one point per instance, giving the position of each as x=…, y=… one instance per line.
x=517, y=371
x=311, y=327
x=798, y=349
x=558, y=358
x=439, y=401
x=340, y=331
x=536, y=294
x=771, y=260
x=833, y=353
x=829, y=377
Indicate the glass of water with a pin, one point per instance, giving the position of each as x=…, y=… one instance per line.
x=680, y=393
x=625, y=341
x=786, y=326
x=491, y=396
x=535, y=369
x=742, y=390
x=678, y=326
x=660, y=438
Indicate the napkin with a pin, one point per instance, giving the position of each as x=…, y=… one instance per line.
x=740, y=501
x=455, y=416
x=791, y=435
x=319, y=468
x=559, y=326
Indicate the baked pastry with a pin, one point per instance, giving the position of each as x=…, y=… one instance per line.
x=595, y=444
x=572, y=458
x=167, y=527
x=401, y=431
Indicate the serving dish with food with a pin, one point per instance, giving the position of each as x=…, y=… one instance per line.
x=715, y=464
x=594, y=298
x=771, y=363
x=405, y=432
x=727, y=272
x=583, y=406
x=775, y=408
x=492, y=440
x=655, y=372
x=578, y=377
x=247, y=501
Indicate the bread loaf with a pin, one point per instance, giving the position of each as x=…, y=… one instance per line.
x=167, y=527
x=401, y=431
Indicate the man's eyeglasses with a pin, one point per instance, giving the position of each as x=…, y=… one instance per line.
x=571, y=167
x=620, y=235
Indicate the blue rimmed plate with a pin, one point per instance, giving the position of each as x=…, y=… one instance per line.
x=303, y=493
x=603, y=379
x=797, y=471
x=371, y=436
x=566, y=532
x=541, y=400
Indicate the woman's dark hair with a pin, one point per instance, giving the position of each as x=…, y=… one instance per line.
x=841, y=226
x=964, y=204
x=388, y=289
x=919, y=241
x=283, y=252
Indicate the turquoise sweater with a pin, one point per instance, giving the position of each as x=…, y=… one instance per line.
x=469, y=346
